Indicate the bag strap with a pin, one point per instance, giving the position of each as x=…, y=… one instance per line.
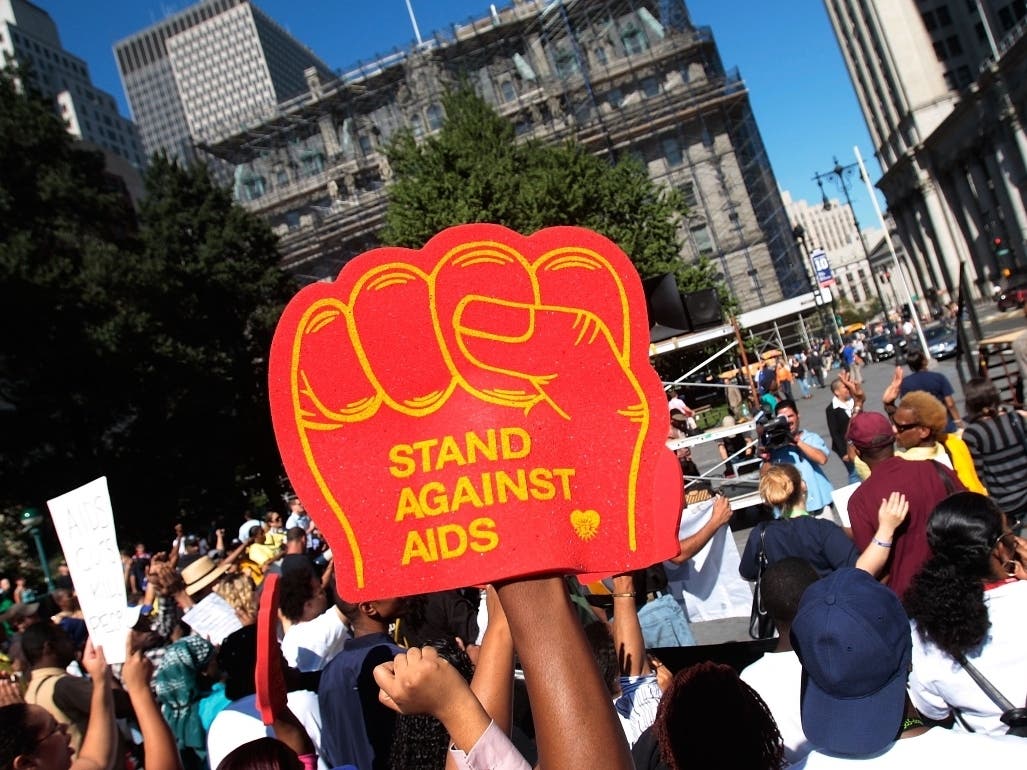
x=946, y=480
x=985, y=684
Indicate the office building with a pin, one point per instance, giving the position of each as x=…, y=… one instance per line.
x=941, y=86
x=30, y=41
x=619, y=77
x=207, y=71
x=833, y=229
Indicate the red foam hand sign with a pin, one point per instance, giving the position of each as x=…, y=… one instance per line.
x=272, y=697
x=481, y=409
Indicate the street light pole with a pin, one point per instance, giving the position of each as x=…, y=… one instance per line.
x=799, y=233
x=839, y=173
x=31, y=518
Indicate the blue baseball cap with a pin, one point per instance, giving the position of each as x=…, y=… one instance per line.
x=853, y=639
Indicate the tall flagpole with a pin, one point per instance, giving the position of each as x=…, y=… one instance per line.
x=413, y=21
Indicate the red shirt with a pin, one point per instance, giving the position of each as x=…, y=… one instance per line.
x=920, y=481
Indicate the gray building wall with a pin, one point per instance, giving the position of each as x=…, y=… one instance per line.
x=616, y=76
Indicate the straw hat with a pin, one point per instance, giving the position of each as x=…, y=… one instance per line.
x=201, y=573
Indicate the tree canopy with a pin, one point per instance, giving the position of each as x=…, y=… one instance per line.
x=135, y=344
x=475, y=170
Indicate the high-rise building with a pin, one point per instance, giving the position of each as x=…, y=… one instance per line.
x=214, y=68
x=29, y=40
x=618, y=76
x=833, y=229
x=941, y=88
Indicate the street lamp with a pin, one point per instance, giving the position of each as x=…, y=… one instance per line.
x=31, y=519
x=839, y=173
x=799, y=233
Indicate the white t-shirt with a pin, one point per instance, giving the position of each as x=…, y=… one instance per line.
x=938, y=683
x=309, y=646
x=240, y=723
x=777, y=677
x=937, y=748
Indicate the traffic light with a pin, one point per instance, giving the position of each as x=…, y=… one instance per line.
x=1000, y=247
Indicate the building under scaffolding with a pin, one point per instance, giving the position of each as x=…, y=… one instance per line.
x=620, y=76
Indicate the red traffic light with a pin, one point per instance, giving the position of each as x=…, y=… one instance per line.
x=997, y=241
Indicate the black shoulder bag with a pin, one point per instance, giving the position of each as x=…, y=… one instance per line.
x=761, y=625
x=1015, y=717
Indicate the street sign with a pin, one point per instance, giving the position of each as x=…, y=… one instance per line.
x=822, y=268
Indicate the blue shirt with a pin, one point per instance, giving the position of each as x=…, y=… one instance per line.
x=935, y=383
x=818, y=488
x=355, y=728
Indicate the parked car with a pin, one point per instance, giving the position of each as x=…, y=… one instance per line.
x=1014, y=295
x=941, y=341
x=882, y=346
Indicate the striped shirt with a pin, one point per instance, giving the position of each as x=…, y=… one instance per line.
x=1000, y=458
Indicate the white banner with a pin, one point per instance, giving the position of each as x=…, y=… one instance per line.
x=85, y=525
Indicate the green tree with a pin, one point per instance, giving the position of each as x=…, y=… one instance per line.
x=475, y=170
x=135, y=347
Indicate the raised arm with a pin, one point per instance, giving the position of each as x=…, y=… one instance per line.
x=100, y=741
x=161, y=751
x=567, y=694
x=627, y=631
x=692, y=544
x=890, y=515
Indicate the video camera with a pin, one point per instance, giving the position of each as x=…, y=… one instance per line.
x=775, y=432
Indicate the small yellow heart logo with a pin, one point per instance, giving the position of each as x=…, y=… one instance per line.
x=585, y=523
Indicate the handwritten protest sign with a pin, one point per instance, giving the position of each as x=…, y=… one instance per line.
x=212, y=618
x=483, y=408
x=85, y=526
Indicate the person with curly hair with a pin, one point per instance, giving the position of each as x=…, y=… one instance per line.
x=996, y=438
x=920, y=433
x=969, y=602
x=710, y=718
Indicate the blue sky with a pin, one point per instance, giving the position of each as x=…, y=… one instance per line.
x=786, y=51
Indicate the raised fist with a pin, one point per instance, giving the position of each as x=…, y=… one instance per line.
x=480, y=409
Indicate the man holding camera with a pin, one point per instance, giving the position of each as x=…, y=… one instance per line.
x=784, y=441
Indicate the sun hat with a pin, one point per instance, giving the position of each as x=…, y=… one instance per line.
x=853, y=639
x=201, y=573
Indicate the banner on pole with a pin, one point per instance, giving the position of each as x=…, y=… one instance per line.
x=822, y=268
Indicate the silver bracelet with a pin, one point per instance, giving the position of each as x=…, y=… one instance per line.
x=882, y=543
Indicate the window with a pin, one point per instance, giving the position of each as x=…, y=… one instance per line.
x=672, y=151
x=954, y=46
x=600, y=54
x=929, y=20
x=688, y=194
x=635, y=41
x=650, y=86
x=939, y=50
x=615, y=97
x=435, y=116
x=702, y=239
x=507, y=92
x=944, y=19
x=565, y=61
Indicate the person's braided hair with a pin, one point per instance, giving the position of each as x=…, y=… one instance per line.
x=946, y=598
x=708, y=717
x=16, y=739
x=420, y=742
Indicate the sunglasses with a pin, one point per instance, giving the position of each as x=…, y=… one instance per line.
x=901, y=427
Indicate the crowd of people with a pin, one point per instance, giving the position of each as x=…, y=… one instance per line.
x=898, y=617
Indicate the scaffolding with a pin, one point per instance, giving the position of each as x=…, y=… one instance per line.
x=620, y=77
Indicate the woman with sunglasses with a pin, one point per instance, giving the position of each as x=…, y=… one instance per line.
x=969, y=602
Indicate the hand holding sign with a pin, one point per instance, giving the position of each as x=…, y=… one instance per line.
x=480, y=409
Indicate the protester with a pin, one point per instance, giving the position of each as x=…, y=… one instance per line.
x=997, y=441
x=853, y=640
x=923, y=484
x=847, y=399
x=777, y=676
x=935, y=383
x=920, y=433
x=969, y=603
x=33, y=736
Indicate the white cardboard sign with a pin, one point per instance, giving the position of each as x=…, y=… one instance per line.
x=84, y=522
